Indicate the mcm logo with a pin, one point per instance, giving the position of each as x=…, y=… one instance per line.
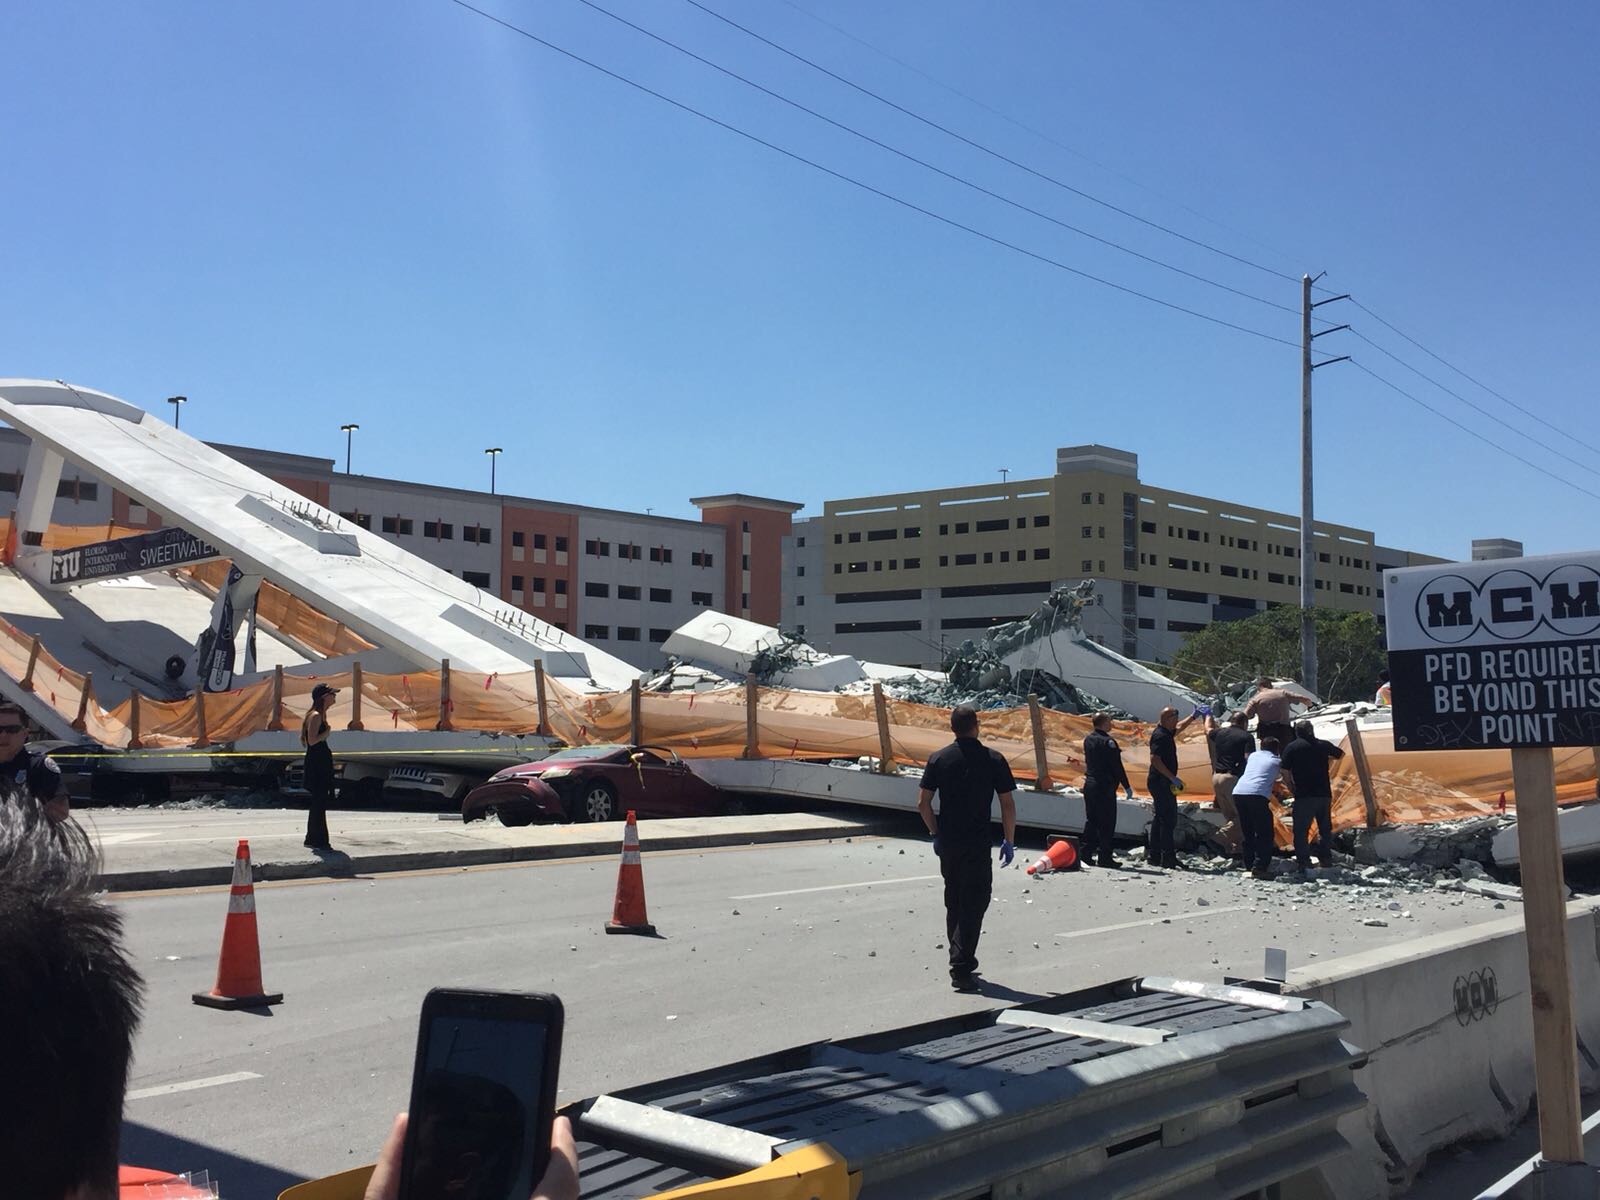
x=1476, y=996
x=1511, y=605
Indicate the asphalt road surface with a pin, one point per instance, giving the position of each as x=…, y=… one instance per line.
x=761, y=948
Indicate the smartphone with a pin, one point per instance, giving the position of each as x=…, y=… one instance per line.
x=483, y=1095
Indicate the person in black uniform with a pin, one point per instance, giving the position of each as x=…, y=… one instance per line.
x=967, y=776
x=1165, y=785
x=1231, y=745
x=30, y=778
x=1102, y=772
x=1307, y=759
x=314, y=732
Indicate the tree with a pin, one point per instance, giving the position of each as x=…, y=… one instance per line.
x=1350, y=652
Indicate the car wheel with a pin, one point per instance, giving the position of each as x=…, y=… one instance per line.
x=511, y=820
x=597, y=801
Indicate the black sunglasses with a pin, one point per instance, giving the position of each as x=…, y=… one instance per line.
x=11, y=728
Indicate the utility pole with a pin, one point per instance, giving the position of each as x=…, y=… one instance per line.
x=177, y=403
x=1308, y=533
x=349, y=436
x=494, y=453
x=1004, y=472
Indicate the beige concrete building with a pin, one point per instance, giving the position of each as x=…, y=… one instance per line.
x=902, y=577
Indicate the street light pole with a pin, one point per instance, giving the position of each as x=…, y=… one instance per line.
x=177, y=403
x=349, y=436
x=494, y=453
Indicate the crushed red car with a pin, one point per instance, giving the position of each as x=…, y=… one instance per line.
x=595, y=783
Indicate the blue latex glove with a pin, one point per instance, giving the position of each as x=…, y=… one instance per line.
x=938, y=846
x=1007, y=852
x=1202, y=710
x=1177, y=785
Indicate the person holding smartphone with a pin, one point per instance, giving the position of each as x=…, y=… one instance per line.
x=559, y=1182
x=482, y=1123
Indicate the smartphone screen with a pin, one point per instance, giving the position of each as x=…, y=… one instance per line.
x=482, y=1096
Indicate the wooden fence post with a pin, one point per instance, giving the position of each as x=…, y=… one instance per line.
x=33, y=661
x=135, y=742
x=81, y=721
x=201, y=737
x=543, y=729
x=276, y=724
x=635, y=714
x=752, y=736
x=444, y=696
x=355, y=696
x=1358, y=751
x=1544, y=915
x=885, y=746
x=1041, y=763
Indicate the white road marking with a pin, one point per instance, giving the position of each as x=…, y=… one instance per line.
x=167, y=1089
x=119, y=839
x=1188, y=916
x=834, y=887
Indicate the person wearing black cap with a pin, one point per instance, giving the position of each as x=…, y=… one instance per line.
x=314, y=732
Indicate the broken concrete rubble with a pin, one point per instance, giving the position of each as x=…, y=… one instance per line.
x=1000, y=670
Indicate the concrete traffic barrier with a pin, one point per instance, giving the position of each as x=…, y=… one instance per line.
x=1448, y=1028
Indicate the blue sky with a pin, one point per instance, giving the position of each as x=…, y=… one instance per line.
x=401, y=214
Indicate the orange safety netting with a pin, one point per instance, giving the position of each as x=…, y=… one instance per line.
x=1408, y=788
x=291, y=618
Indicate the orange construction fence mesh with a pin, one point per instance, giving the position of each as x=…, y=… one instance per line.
x=286, y=615
x=1407, y=788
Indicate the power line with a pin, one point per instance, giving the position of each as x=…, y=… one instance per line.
x=1023, y=125
x=1477, y=408
x=1021, y=166
x=963, y=180
x=1358, y=365
x=1478, y=382
x=867, y=187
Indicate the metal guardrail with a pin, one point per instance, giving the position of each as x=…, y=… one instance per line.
x=1150, y=1088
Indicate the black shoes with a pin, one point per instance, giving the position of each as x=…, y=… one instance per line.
x=967, y=984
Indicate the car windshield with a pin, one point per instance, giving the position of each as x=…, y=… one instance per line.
x=581, y=753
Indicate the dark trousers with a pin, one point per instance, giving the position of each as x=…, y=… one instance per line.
x=319, y=789
x=1255, y=815
x=968, y=877
x=1306, y=810
x=1160, y=849
x=1099, y=820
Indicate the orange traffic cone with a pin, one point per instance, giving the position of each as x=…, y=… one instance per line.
x=239, y=968
x=1060, y=856
x=628, y=915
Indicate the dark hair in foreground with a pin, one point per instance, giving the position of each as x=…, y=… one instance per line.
x=1303, y=730
x=69, y=1005
x=1271, y=745
x=963, y=720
